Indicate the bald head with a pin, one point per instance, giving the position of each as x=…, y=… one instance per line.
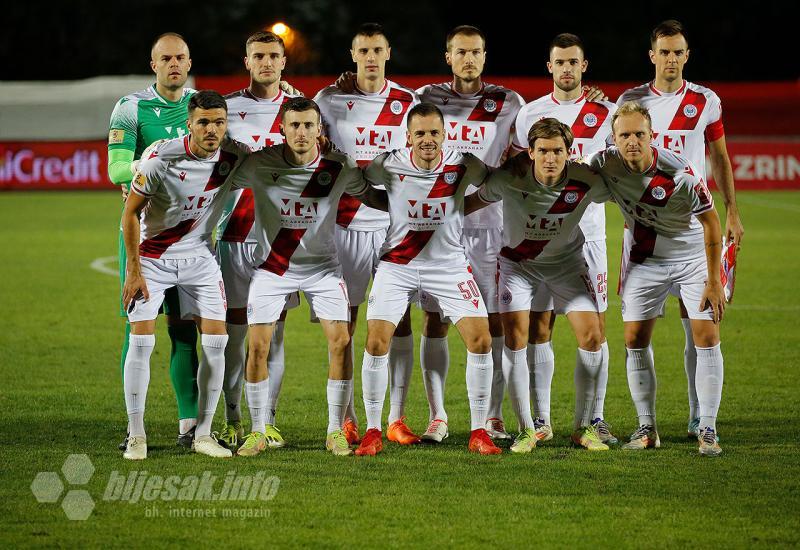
x=170, y=61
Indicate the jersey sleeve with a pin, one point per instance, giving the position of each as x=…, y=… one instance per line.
x=477, y=171
x=375, y=173
x=697, y=194
x=123, y=128
x=492, y=189
x=714, y=129
x=520, y=139
x=355, y=184
x=149, y=176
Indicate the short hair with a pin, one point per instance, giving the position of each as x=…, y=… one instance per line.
x=299, y=105
x=566, y=40
x=424, y=109
x=265, y=37
x=164, y=35
x=550, y=128
x=670, y=27
x=369, y=30
x=629, y=108
x=466, y=30
x=207, y=99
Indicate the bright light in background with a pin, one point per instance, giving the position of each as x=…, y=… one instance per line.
x=281, y=29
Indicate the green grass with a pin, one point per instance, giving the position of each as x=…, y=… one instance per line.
x=61, y=394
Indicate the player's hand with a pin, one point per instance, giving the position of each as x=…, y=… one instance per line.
x=289, y=89
x=517, y=165
x=713, y=297
x=733, y=228
x=346, y=82
x=593, y=93
x=135, y=288
x=124, y=190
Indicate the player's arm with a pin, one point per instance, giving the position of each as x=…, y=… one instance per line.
x=723, y=175
x=135, y=284
x=713, y=294
x=122, y=135
x=486, y=194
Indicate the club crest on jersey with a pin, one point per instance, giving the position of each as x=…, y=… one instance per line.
x=489, y=105
x=450, y=177
x=224, y=168
x=590, y=120
x=350, y=105
x=571, y=197
x=396, y=107
x=690, y=110
x=506, y=297
x=324, y=178
x=658, y=193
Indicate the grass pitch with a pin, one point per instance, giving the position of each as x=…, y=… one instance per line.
x=61, y=395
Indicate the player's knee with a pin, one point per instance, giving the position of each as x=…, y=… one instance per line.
x=258, y=350
x=377, y=346
x=591, y=339
x=338, y=343
x=479, y=343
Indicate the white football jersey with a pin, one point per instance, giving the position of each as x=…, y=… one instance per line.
x=590, y=122
x=426, y=207
x=186, y=193
x=295, y=207
x=683, y=121
x=540, y=223
x=364, y=125
x=480, y=124
x=253, y=121
x=658, y=206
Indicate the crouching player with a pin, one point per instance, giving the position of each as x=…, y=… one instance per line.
x=176, y=199
x=675, y=243
x=543, y=252
x=296, y=190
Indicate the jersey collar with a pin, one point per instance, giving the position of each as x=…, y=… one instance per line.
x=381, y=92
x=434, y=169
x=654, y=90
x=164, y=99
x=568, y=102
x=212, y=158
x=247, y=93
x=466, y=96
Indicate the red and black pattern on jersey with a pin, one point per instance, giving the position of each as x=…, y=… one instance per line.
x=444, y=188
x=409, y=247
x=348, y=205
x=659, y=190
x=241, y=220
x=390, y=114
x=221, y=171
x=155, y=246
x=570, y=197
x=321, y=187
x=489, y=107
x=689, y=111
x=526, y=250
x=589, y=120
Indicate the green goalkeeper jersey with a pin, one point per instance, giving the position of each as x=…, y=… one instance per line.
x=142, y=118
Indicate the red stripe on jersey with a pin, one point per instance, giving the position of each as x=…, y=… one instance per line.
x=526, y=250
x=570, y=197
x=387, y=117
x=408, y=249
x=659, y=190
x=688, y=114
x=592, y=113
x=276, y=124
x=320, y=185
x=488, y=107
x=714, y=131
x=348, y=204
x=283, y=246
x=154, y=247
x=241, y=219
x=221, y=171
x=644, y=242
x=443, y=188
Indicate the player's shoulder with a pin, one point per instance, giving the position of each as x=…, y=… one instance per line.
x=611, y=107
x=238, y=95
x=429, y=91
x=703, y=90
x=606, y=158
x=670, y=162
x=510, y=95
x=637, y=93
x=538, y=105
x=584, y=170
x=327, y=93
x=340, y=157
x=393, y=86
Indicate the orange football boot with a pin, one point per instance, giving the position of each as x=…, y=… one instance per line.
x=479, y=442
x=371, y=444
x=402, y=434
x=350, y=430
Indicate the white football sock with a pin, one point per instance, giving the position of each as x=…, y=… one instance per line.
x=587, y=371
x=210, y=375
x=690, y=366
x=710, y=372
x=515, y=372
x=479, y=385
x=351, y=405
x=642, y=383
x=338, y=394
x=256, y=393
x=401, y=365
x=276, y=366
x=374, y=381
x=136, y=379
x=498, y=380
x=602, y=384
x=542, y=367
x=434, y=361
x=235, y=358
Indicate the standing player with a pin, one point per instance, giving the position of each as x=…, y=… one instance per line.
x=296, y=189
x=139, y=119
x=176, y=200
x=365, y=123
x=544, y=252
x=252, y=120
x=662, y=199
x=478, y=119
x=590, y=123
x=423, y=253
x=687, y=119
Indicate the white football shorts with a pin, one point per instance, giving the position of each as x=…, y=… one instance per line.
x=594, y=253
x=325, y=292
x=236, y=260
x=358, y=255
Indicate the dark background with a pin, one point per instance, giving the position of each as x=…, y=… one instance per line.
x=79, y=39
